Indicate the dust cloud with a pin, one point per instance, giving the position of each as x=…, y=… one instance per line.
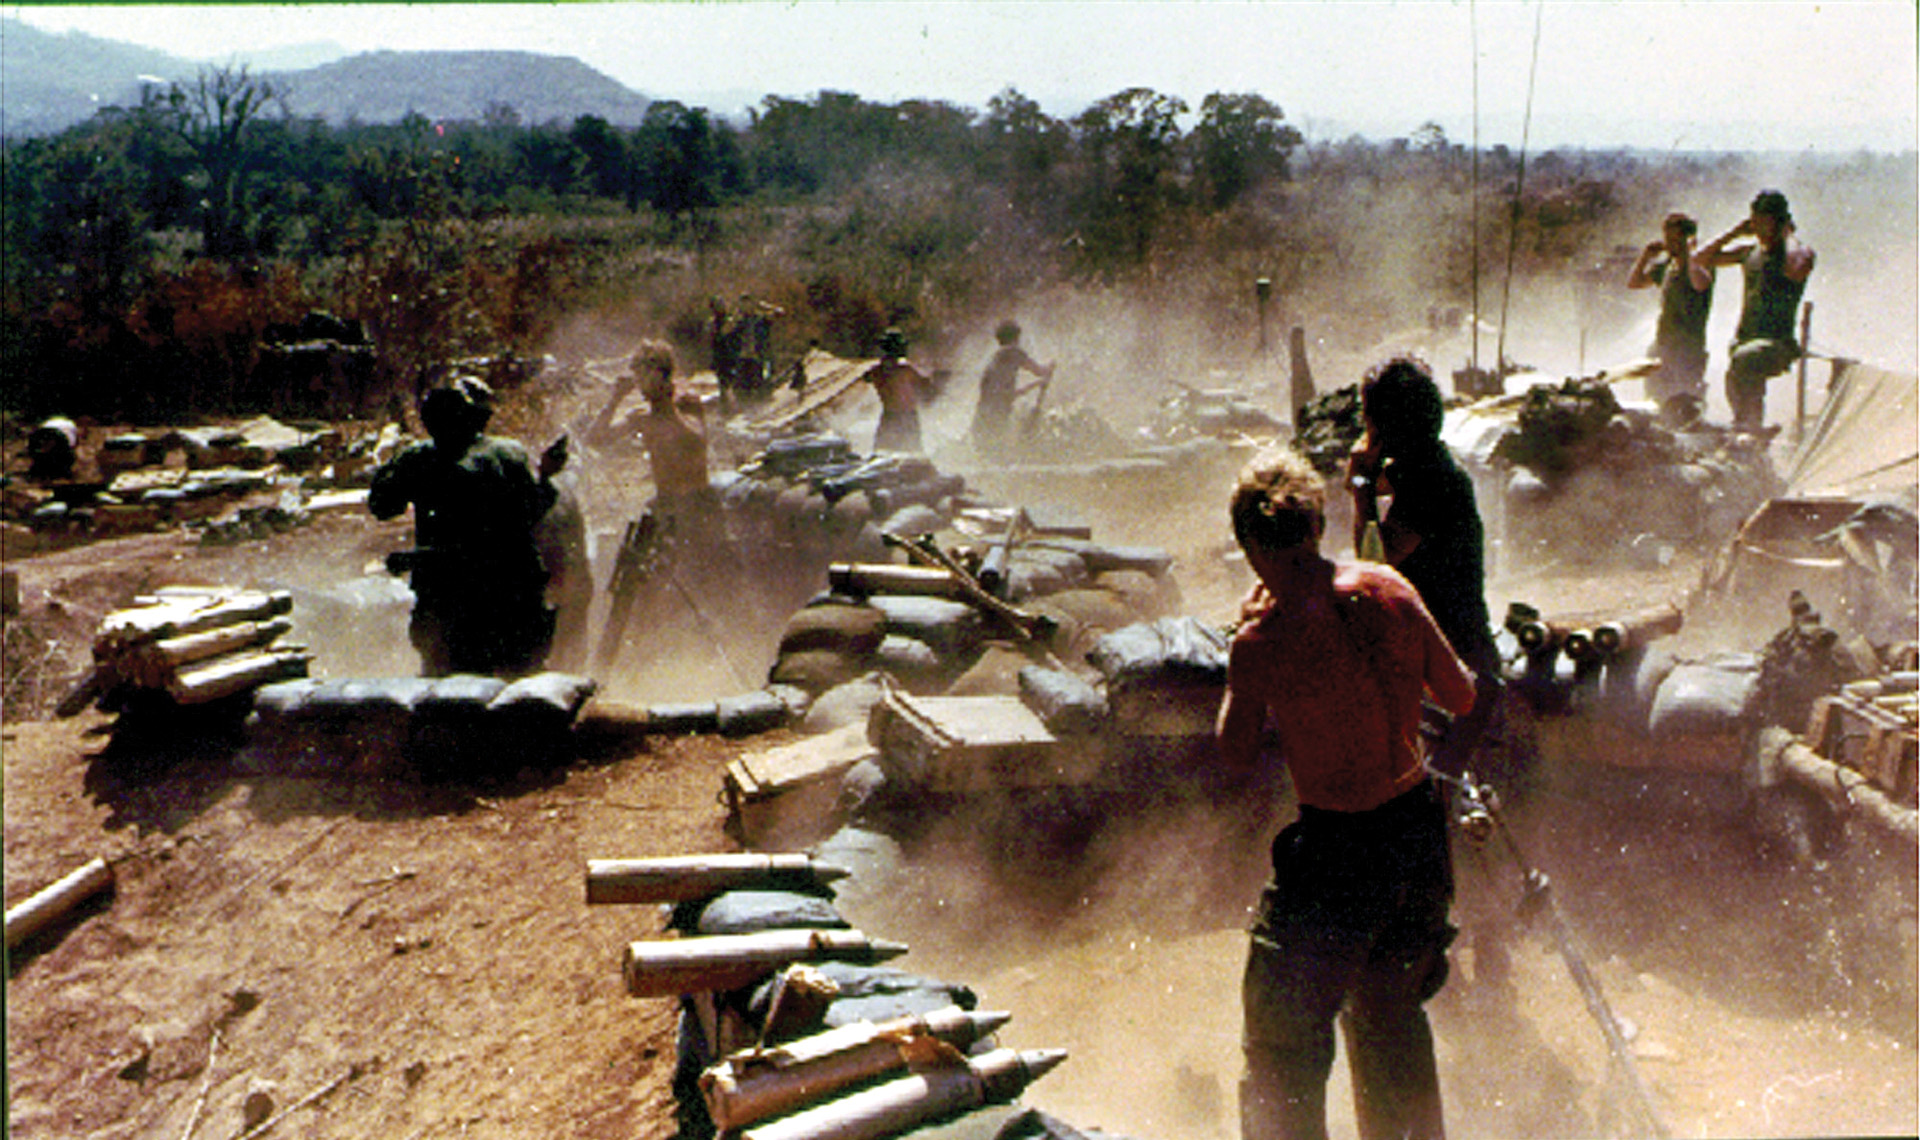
x=1116, y=929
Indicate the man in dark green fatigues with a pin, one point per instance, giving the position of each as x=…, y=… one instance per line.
x=475, y=570
x=1774, y=267
x=1680, y=338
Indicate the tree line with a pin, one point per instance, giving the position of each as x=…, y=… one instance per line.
x=149, y=251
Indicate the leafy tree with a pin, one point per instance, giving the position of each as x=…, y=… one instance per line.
x=1022, y=147
x=547, y=159
x=212, y=117
x=678, y=159
x=603, y=149
x=1239, y=140
x=1129, y=143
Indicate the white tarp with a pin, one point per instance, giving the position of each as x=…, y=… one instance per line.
x=1865, y=444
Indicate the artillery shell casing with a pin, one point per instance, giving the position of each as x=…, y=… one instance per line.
x=931, y=1094
x=44, y=908
x=669, y=966
x=682, y=878
x=753, y=1085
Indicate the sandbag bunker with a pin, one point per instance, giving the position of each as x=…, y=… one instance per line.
x=790, y=1029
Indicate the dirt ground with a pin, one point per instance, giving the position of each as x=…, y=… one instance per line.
x=385, y=959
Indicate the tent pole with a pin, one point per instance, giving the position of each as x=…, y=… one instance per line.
x=1800, y=384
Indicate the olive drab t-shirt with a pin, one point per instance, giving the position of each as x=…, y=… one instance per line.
x=1433, y=497
x=1680, y=337
x=1771, y=298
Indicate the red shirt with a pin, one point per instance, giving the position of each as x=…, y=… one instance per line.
x=1343, y=690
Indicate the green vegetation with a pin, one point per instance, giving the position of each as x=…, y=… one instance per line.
x=148, y=251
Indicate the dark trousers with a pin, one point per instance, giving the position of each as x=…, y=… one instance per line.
x=1353, y=927
x=1749, y=367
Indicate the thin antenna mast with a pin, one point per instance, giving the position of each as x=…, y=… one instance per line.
x=1473, y=191
x=1520, y=182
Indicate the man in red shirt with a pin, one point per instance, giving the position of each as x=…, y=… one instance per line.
x=1330, y=666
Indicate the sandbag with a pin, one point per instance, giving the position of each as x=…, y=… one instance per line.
x=848, y=703
x=1706, y=698
x=683, y=719
x=817, y=670
x=283, y=700
x=1036, y=571
x=746, y=714
x=877, y=993
x=1066, y=703
x=1099, y=557
x=911, y=662
x=1181, y=648
x=951, y=628
x=909, y=521
x=348, y=701
x=1146, y=595
x=1094, y=612
x=853, y=629
x=448, y=735
x=744, y=912
x=531, y=720
x=996, y=673
x=548, y=700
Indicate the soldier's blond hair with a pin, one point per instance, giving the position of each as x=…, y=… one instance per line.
x=653, y=357
x=1280, y=501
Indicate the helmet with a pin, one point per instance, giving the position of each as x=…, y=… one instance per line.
x=1007, y=333
x=893, y=342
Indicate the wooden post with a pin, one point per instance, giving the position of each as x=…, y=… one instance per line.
x=44, y=909
x=1800, y=384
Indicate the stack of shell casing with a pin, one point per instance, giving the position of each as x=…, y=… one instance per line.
x=784, y=1068
x=194, y=644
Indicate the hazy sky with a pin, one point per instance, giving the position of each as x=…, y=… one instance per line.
x=1692, y=74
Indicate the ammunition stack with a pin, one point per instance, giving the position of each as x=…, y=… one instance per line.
x=191, y=645
x=789, y=1028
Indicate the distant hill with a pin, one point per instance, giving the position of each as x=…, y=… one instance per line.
x=383, y=86
x=49, y=82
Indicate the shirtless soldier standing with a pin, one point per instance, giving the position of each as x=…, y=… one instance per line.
x=1332, y=659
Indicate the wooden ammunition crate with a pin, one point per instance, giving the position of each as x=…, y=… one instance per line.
x=975, y=744
x=791, y=785
x=1876, y=742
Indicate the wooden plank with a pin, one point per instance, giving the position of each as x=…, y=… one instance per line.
x=775, y=770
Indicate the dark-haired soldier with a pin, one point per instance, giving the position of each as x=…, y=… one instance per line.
x=1334, y=660
x=1774, y=267
x=1680, y=338
x=1432, y=534
x=999, y=388
x=475, y=570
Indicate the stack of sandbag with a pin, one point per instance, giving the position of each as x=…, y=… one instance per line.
x=456, y=726
x=1577, y=454
x=190, y=645
x=811, y=492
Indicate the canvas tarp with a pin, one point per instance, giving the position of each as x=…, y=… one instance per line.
x=1865, y=443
